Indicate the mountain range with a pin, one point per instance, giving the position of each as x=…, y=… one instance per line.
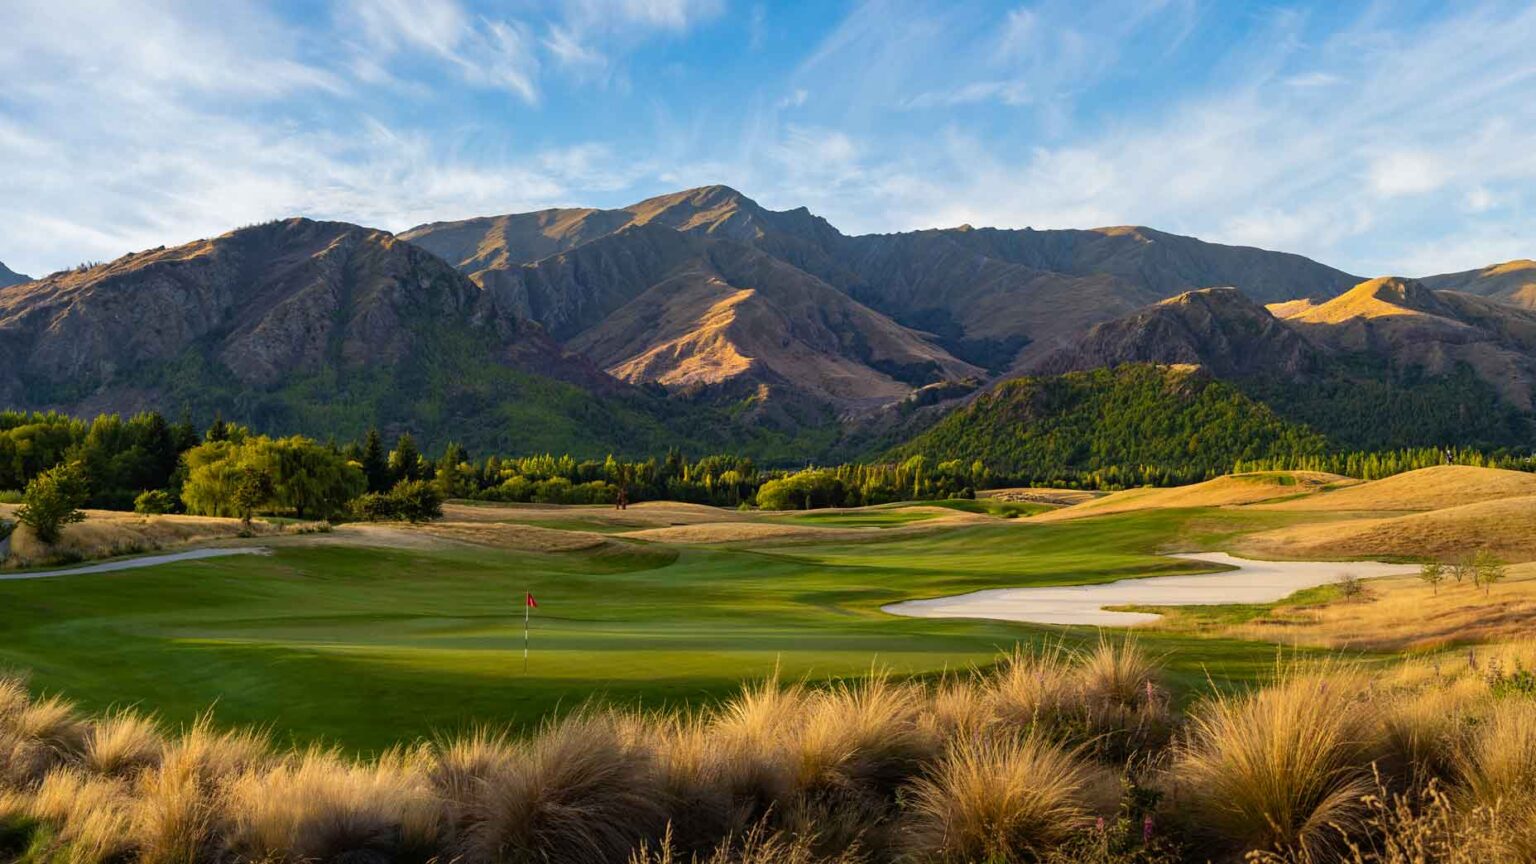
x=703, y=319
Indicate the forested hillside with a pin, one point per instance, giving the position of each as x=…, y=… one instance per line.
x=1130, y=425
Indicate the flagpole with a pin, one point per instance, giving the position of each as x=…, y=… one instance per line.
x=526, y=595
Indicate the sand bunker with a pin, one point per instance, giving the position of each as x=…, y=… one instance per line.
x=1251, y=582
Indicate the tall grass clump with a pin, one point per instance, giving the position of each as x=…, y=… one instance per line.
x=1000, y=801
x=317, y=806
x=1281, y=770
x=578, y=793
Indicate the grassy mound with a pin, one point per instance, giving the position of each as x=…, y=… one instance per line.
x=1425, y=489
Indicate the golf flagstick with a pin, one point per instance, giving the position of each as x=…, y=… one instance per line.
x=528, y=604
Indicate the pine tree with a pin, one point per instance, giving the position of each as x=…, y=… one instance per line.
x=405, y=461
x=375, y=462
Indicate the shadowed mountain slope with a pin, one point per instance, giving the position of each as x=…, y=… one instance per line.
x=1216, y=328
x=320, y=327
x=11, y=277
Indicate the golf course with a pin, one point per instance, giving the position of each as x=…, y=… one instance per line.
x=367, y=636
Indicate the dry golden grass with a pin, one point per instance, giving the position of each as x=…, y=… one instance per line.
x=745, y=532
x=646, y=514
x=1401, y=613
x=1283, y=770
x=1425, y=489
x=1002, y=802
x=1041, y=495
x=1230, y=490
x=1506, y=527
x=106, y=533
x=1000, y=765
x=522, y=538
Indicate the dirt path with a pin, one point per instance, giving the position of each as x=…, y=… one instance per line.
x=135, y=563
x=1252, y=582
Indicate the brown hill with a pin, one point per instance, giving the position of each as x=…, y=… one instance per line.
x=683, y=294
x=982, y=295
x=1512, y=282
x=1503, y=526
x=1217, y=328
x=1226, y=491
x=1425, y=489
x=11, y=277
x=1409, y=325
x=730, y=314
x=278, y=323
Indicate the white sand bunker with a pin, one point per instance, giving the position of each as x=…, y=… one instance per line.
x=1251, y=582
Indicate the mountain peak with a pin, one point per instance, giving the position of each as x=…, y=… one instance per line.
x=1377, y=298
x=1219, y=329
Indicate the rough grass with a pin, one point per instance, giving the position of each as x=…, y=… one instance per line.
x=109, y=533
x=1222, y=491
x=1431, y=488
x=1433, y=762
x=1503, y=526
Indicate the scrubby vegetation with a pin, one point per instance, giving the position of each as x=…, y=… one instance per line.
x=1050, y=756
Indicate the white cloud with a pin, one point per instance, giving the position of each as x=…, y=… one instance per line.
x=1406, y=173
x=483, y=51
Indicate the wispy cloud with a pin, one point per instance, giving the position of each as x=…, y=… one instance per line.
x=1384, y=138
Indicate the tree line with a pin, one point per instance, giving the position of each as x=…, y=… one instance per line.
x=55, y=464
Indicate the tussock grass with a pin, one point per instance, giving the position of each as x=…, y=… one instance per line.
x=1282, y=770
x=1000, y=801
x=578, y=792
x=1432, y=762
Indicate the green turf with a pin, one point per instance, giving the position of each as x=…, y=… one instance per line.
x=366, y=647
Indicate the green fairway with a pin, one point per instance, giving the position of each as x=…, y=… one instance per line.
x=368, y=646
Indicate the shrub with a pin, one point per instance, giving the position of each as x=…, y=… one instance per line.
x=153, y=502
x=53, y=499
x=374, y=507
x=416, y=501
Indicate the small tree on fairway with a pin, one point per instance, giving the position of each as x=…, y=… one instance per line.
x=1462, y=569
x=1350, y=586
x=1432, y=573
x=253, y=490
x=1487, y=568
x=53, y=500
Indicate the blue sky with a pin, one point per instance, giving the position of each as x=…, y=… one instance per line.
x=1377, y=137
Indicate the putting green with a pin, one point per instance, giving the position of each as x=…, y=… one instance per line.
x=366, y=647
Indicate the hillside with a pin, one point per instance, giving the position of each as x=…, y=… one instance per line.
x=1512, y=282
x=682, y=295
x=980, y=295
x=1425, y=489
x=1130, y=425
x=1407, y=325
x=320, y=327
x=1218, y=329
x=11, y=277
x=1387, y=364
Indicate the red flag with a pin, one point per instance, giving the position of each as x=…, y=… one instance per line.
x=530, y=602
